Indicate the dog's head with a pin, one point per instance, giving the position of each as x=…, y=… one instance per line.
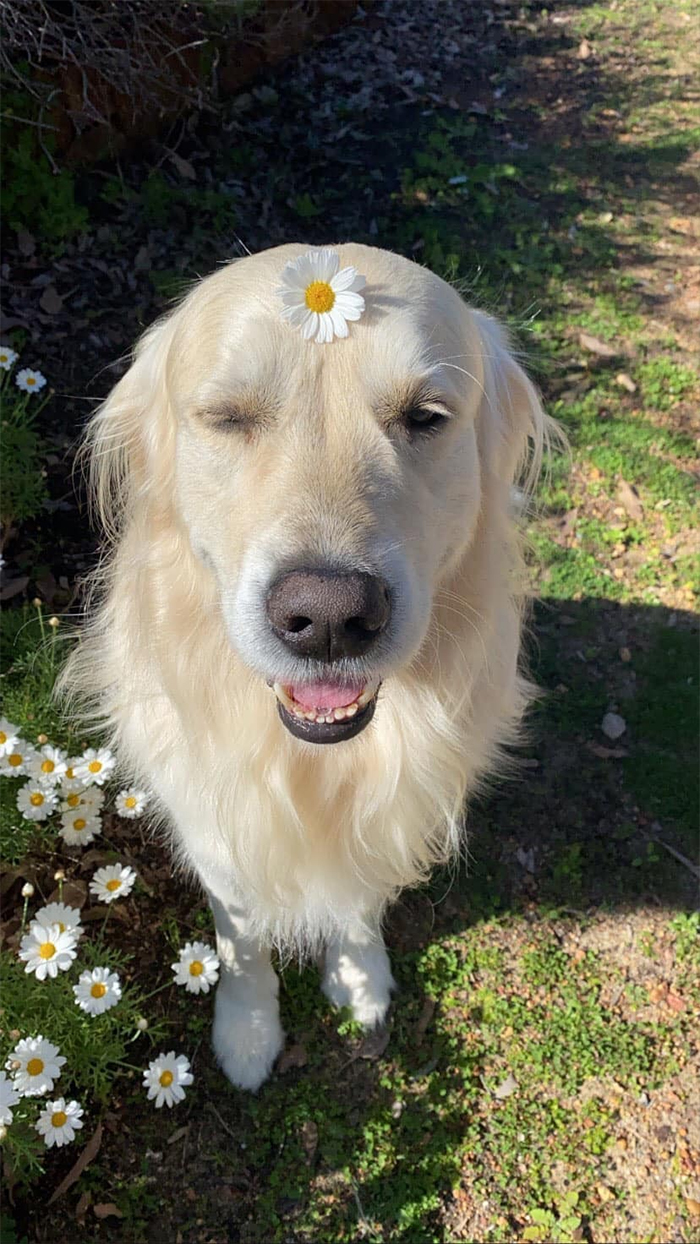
x=329, y=488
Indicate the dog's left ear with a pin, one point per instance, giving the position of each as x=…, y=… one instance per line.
x=514, y=433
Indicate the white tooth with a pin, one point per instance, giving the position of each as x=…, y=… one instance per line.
x=351, y=710
x=339, y=714
x=309, y=716
x=282, y=695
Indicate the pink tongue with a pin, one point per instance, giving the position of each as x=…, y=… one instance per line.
x=325, y=694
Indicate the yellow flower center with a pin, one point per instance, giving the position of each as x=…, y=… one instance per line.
x=3, y=737
x=35, y=1066
x=70, y=773
x=48, y=766
x=166, y=1078
x=98, y=990
x=61, y=926
x=58, y=1118
x=319, y=296
x=15, y=759
x=196, y=968
x=130, y=802
x=114, y=884
x=47, y=950
x=73, y=801
x=79, y=824
x=95, y=766
x=30, y=380
x=36, y=799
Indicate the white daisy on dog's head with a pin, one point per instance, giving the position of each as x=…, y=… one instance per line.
x=79, y=827
x=166, y=1078
x=97, y=991
x=130, y=803
x=67, y=918
x=48, y=765
x=46, y=951
x=36, y=1064
x=318, y=298
x=9, y=1097
x=36, y=801
x=9, y=737
x=14, y=763
x=95, y=766
x=59, y=1121
x=197, y=968
x=114, y=881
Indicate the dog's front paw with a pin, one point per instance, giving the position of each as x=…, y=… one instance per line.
x=246, y=1042
x=361, y=980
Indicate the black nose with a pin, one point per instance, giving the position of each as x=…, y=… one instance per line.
x=321, y=614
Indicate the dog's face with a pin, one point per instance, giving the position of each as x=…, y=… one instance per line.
x=330, y=488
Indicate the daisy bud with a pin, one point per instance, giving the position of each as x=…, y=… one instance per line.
x=15, y=1064
x=37, y=603
x=3, y=1133
x=59, y=875
x=142, y=1024
x=27, y=889
x=41, y=739
x=15, y=1034
x=54, y=622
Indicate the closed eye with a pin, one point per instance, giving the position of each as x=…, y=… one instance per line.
x=425, y=418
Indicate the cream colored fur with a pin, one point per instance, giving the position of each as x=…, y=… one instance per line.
x=301, y=845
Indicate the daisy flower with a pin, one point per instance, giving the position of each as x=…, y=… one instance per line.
x=318, y=298
x=166, y=1077
x=46, y=950
x=97, y=991
x=36, y=801
x=197, y=968
x=15, y=762
x=70, y=781
x=89, y=799
x=94, y=767
x=79, y=827
x=67, y=918
x=9, y=737
x=130, y=803
x=29, y=381
x=8, y=1097
x=59, y=1121
x=114, y=881
x=35, y=1064
x=7, y=357
x=47, y=765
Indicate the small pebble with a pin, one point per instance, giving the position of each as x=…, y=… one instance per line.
x=613, y=726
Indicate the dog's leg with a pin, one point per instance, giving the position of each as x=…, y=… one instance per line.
x=247, y=1035
x=358, y=974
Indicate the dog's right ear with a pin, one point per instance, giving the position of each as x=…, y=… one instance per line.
x=129, y=444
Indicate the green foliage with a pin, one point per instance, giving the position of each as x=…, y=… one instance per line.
x=23, y=483
x=35, y=197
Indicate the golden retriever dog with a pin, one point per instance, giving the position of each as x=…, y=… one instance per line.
x=304, y=634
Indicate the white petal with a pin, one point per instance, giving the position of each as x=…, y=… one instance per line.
x=309, y=328
x=339, y=325
x=350, y=305
x=293, y=298
x=327, y=264
x=348, y=278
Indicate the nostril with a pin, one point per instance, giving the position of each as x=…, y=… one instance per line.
x=296, y=625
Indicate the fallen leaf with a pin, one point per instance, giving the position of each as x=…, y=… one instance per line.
x=626, y=382
x=90, y=1151
x=630, y=500
x=309, y=1139
x=26, y=244
x=692, y=1206
x=423, y=1020
x=374, y=1044
x=675, y=1002
x=107, y=1209
x=13, y=587
x=584, y=50
x=604, y=1193
x=51, y=300
x=183, y=167
x=74, y=894
x=82, y=1207
x=613, y=726
x=607, y=753
x=178, y=1134
x=295, y=1056
x=595, y=346
x=506, y=1088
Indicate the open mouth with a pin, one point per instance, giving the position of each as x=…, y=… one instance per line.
x=326, y=712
